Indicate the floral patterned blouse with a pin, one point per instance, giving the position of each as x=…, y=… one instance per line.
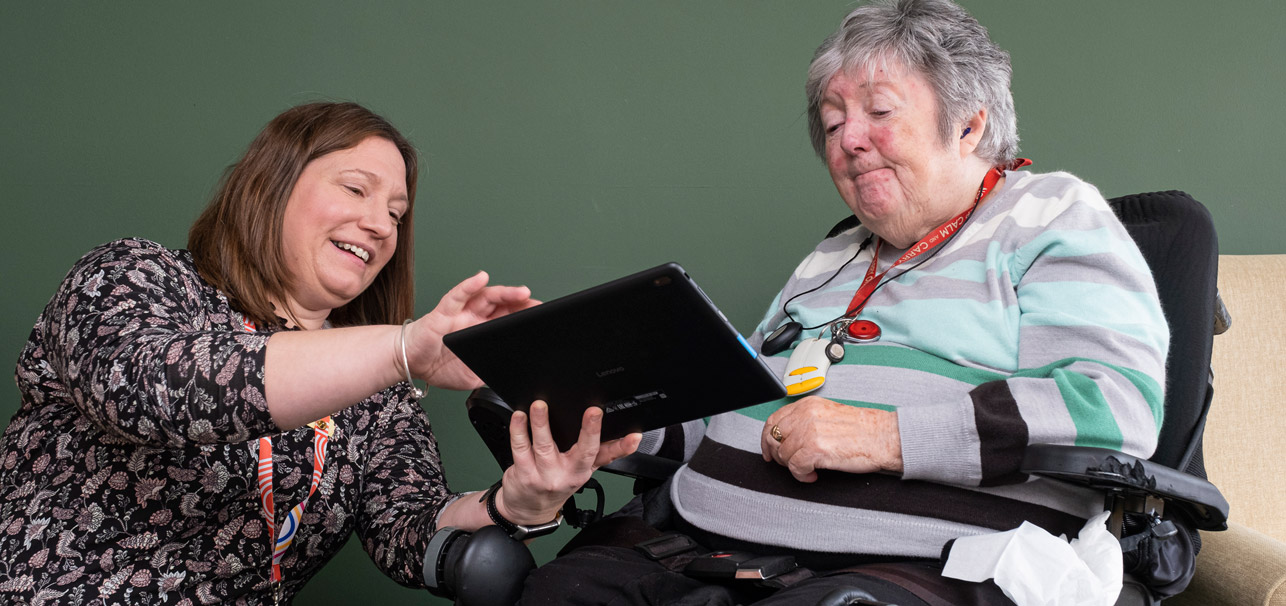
x=129, y=472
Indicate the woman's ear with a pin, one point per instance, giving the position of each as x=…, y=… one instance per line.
x=971, y=132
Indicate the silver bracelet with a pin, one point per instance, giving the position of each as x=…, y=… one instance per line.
x=416, y=392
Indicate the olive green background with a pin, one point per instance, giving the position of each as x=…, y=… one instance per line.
x=568, y=143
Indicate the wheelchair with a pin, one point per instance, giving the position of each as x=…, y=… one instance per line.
x=1157, y=505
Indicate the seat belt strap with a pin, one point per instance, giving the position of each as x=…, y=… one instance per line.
x=666, y=546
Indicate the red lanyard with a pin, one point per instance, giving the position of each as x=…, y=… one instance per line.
x=935, y=237
x=322, y=431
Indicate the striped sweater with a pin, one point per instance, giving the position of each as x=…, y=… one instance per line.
x=1038, y=323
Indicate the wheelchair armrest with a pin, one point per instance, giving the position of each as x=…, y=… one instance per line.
x=1117, y=472
x=481, y=568
x=490, y=418
x=641, y=466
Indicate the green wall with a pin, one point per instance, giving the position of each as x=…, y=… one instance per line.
x=567, y=143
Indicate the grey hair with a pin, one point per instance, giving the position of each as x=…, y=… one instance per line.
x=939, y=40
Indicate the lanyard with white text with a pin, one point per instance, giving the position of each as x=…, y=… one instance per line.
x=322, y=431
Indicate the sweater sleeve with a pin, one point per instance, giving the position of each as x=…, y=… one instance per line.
x=403, y=491
x=131, y=343
x=1091, y=352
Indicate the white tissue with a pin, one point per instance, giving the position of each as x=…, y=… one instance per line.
x=1035, y=568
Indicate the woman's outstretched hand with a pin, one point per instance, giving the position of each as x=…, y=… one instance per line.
x=469, y=302
x=542, y=478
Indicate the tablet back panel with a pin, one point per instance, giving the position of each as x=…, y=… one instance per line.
x=649, y=349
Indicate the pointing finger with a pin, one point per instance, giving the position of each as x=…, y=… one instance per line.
x=459, y=296
x=495, y=301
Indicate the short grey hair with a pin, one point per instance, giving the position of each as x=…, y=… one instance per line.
x=939, y=40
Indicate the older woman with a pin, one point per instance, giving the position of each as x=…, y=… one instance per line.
x=211, y=425
x=976, y=309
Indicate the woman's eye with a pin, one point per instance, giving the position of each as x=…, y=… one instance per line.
x=397, y=219
x=880, y=113
x=353, y=190
x=830, y=130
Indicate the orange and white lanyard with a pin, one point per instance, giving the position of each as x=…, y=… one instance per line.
x=322, y=431
x=321, y=436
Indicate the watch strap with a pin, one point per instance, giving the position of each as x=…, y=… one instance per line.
x=517, y=531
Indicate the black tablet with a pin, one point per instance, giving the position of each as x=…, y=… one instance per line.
x=650, y=349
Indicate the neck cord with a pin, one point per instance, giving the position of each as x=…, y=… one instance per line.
x=787, y=334
x=855, y=309
x=860, y=248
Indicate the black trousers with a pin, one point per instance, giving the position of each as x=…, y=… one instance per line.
x=603, y=570
x=621, y=576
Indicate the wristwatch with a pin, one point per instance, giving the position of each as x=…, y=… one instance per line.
x=517, y=531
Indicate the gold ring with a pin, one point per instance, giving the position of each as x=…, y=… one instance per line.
x=775, y=432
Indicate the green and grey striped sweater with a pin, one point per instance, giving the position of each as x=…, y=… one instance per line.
x=1038, y=323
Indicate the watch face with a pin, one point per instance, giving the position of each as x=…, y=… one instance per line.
x=531, y=532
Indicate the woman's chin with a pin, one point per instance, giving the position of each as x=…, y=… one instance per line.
x=873, y=216
x=339, y=295
x=889, y=230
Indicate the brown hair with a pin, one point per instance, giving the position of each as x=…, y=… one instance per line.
x=237, y=240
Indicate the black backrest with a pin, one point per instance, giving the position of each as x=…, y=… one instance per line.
x=1177, y=238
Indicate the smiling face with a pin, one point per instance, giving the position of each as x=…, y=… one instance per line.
x=886, y=157
x=340, y=226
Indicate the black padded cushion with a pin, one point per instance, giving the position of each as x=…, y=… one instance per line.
x=1177, y=238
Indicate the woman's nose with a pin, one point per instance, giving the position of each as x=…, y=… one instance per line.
x=378, y=221
x=853, y=136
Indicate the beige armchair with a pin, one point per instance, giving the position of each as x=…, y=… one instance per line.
x=1245, y=441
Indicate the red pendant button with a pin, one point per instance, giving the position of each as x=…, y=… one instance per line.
x=864, y=330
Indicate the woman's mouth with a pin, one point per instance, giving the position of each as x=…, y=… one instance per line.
x=360, y=252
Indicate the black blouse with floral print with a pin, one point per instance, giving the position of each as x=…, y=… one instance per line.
x=129, y=472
